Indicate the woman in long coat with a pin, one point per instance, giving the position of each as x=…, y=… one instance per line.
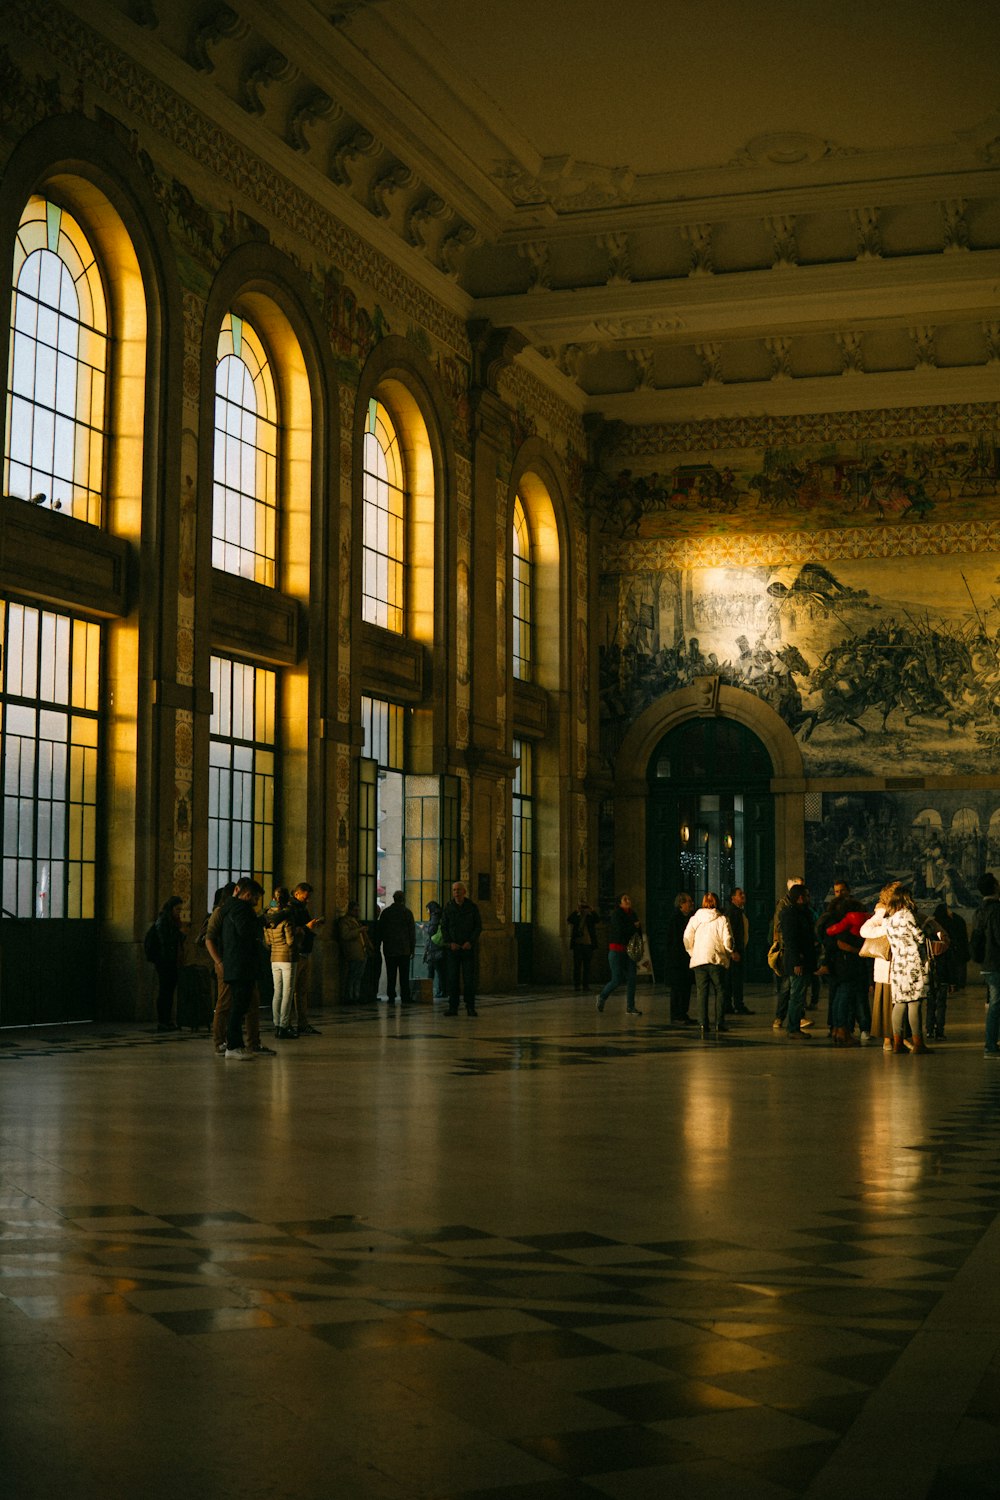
x=910, y=968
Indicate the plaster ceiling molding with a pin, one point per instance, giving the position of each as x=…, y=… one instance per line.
x=222, y=24
x=869, y=233
x=786, y=250
x=925, y=344
x=568, y=185
x=710, y=356
x=956, y=230
x=698, y=238
x=619, y=248
x=779, y=349
x=636, y=327
x=536, y=253
x=385, y=185
x=851, y=353
x=358, y=145
x=569, y=357
x=991, y=334
x=454, y=247
x=427, y=211
x=788, y=148
x=269, y=67
x=983, y=139
x=314, y=108
x=642, y=361
x=343, y=13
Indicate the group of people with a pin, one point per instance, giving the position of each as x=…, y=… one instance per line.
x=890, y=972
x=252, y=954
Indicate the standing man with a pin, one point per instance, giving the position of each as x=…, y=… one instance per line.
x=798, y=951
x=781, y=980
x=240, y=944
x=739, y=931
x=397, y=937
x=679, y=975
x=461, y=925
x=307, y=926
x=582, y=942
x=223, y=993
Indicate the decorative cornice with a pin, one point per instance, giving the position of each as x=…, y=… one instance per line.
x=146, y=99
x=759, y=432
x=769, y=550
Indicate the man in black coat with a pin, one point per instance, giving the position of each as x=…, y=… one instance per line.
x=798, y=953
x=396, y=935
x=240, y=944
x=461, y=925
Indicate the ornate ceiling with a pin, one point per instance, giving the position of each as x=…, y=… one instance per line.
x=685, y=209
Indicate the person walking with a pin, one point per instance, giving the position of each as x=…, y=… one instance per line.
x=167, y=944
x=240, y=944
x=461, y=925
x=709, y=941
x=397, y=937
x=910, y=969
x=582, y=942
x=623, y=926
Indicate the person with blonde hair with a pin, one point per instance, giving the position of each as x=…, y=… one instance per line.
x=708, y=939
x=881, y=1024
x=910, y=968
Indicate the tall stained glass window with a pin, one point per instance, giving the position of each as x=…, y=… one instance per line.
x=50, y=677
x=521, y=601
x=383, y=513
x=57, y=375
x=244, y=512
x=241, y=759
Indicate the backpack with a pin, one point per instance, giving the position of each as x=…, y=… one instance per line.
x=151, y=944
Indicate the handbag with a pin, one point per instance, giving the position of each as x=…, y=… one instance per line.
x=634, y=947
x=437, y=938
x=876, y=947
x=774, y=958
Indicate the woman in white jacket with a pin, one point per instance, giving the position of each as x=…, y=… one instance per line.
x=882, y=997
x=709, y=943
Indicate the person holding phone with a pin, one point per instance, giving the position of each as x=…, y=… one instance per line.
x=307, y=926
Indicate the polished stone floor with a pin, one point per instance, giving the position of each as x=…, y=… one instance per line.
x=543, y=1254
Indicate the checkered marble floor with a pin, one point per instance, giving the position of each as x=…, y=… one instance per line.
x=540, y=1254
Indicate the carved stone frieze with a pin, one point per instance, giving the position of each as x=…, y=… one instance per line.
x=565, y=183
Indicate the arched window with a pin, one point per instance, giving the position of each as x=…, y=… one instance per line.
x=244, y=524
x=56, y=412
x=383, y=522
x=521, y=600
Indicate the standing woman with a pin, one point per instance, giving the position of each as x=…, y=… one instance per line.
x=623, y=925
x=709, y=940
x=169, y=951
x=910, y=968
x=882, y=997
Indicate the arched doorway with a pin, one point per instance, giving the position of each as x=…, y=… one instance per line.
x=710, y=827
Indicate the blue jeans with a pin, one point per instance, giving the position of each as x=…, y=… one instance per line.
x=798, y=989
x=992, y=981
x=623, y=971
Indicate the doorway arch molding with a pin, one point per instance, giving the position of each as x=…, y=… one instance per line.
x=701, y=700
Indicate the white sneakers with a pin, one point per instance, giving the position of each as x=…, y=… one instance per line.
x=241, y=1054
